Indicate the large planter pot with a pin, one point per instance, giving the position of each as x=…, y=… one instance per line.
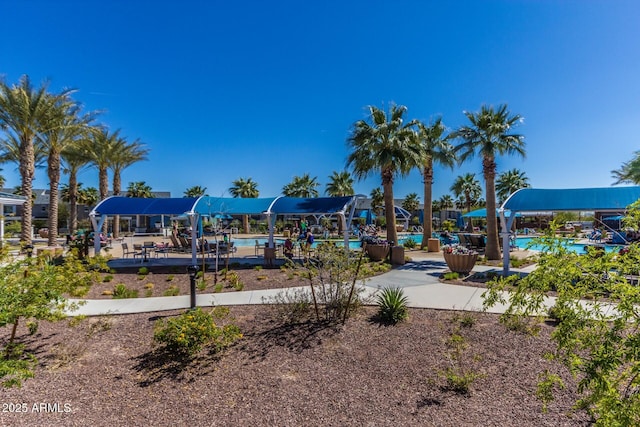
x=460, y=263
x=377, y=252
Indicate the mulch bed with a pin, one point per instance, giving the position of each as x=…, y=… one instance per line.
x=108, y=372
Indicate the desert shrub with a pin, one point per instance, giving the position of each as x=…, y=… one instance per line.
x=257, y=268
x=466, y=320
x=148, y=293
x=188, y=333
x=234, y=280
x=120, y=291
x=392, y=305
x=218, y=287
x=291, y=305
x=170, y=278
x=451, y=275
x=201, y=284
x=460, y=374
x=409, y=243
x=107, y=278
x=149, y=285
x=172, y=291
x=143, y=271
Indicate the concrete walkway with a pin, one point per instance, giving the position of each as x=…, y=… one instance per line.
x=418, y=279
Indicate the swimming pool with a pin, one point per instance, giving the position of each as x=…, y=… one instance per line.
x=244, y=242
x=580, y=248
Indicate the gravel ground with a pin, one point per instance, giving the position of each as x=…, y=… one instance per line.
x=105, y=371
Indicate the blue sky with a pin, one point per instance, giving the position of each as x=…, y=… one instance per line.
x=269, y=90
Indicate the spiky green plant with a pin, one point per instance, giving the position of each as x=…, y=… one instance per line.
x=392, y=305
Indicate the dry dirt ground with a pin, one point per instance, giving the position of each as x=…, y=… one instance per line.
x=106, y=371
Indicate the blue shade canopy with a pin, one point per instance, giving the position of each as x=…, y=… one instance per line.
x=221, y=205
x=576, y=199
x=294, y=205
x=145, y=206
x=613, y=218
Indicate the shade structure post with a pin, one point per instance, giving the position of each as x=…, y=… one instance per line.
x=97, y=224
x=506, y=224
x=193, y=220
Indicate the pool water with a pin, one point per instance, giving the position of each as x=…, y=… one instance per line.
x=527, y=243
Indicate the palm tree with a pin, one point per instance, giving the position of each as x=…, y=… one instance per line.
x=99, y=149
x=509, y=182
x=468, y=188
x=62, y=126
x=195, y=191
x=2, y=180
x=629, y=172
x=123, y=155
x=437, y=149
x=301, y=186
x=22, y=111
x=446, y=202
x=387, y=145
x=489, y=136
x=411, y=202
x=248, y=189
x=139, y=189
x=340, y=184
x=377, y=201
x=74, y=159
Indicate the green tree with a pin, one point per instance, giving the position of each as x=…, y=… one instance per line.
x=195, y=191
x=34, y=289
x=446, y=202
x=340, y=184
x=509, y=182
x=74, y=159
x=377, y=201
x=489, y=136
x=22, y=111
x=385, y=144
x=139, y=189
x=629, y=172
x=301, y=186
x=411, y=202
x=597, y=341
x=437, y=150
x=245, y=188
x=2, y=180
x=63, y=125
x=99, y=150
x=467, y=187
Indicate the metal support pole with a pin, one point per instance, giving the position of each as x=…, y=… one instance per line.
x=193, y=273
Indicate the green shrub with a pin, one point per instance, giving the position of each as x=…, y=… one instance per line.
x=107, y=278
x=120, y=291
x=409, y=243
x=460, y=375
x=143, y=271
x=172, y=291
x=452, y=275
x=169, y=277
x=392, y=305
x=257, y=268
x=189, y=332
x=201, y=284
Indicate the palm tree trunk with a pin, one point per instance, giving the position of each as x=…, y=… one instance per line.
x=73, y=202
x=27, y=170
x=117, y=185
x=104, y=189
x=390, y=212
x=468, y=203
x=492, y=251
x=427, y=211
x=245, y=223
x=54, y=181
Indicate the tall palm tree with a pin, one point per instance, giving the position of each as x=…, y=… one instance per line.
x=195, y=191
x=437, y=150
x=509, y=182
x=468, y=188
x=340, y=184
x=22, y=110
x=489, y=136
x=2, y=180
x=384, y=144
x=100, y=150
x=74, y=159
x=248, y=189
x=123, y=155
x=301, y=186
x=629, y=172
x=62, y=126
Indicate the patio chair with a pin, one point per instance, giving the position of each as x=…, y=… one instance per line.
x=257, y=248
x=161, y=249
x=137, y=251
x=126, y=251
x=177, y=246
x=185, y=244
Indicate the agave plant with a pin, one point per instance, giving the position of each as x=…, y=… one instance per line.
x=392, y=304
